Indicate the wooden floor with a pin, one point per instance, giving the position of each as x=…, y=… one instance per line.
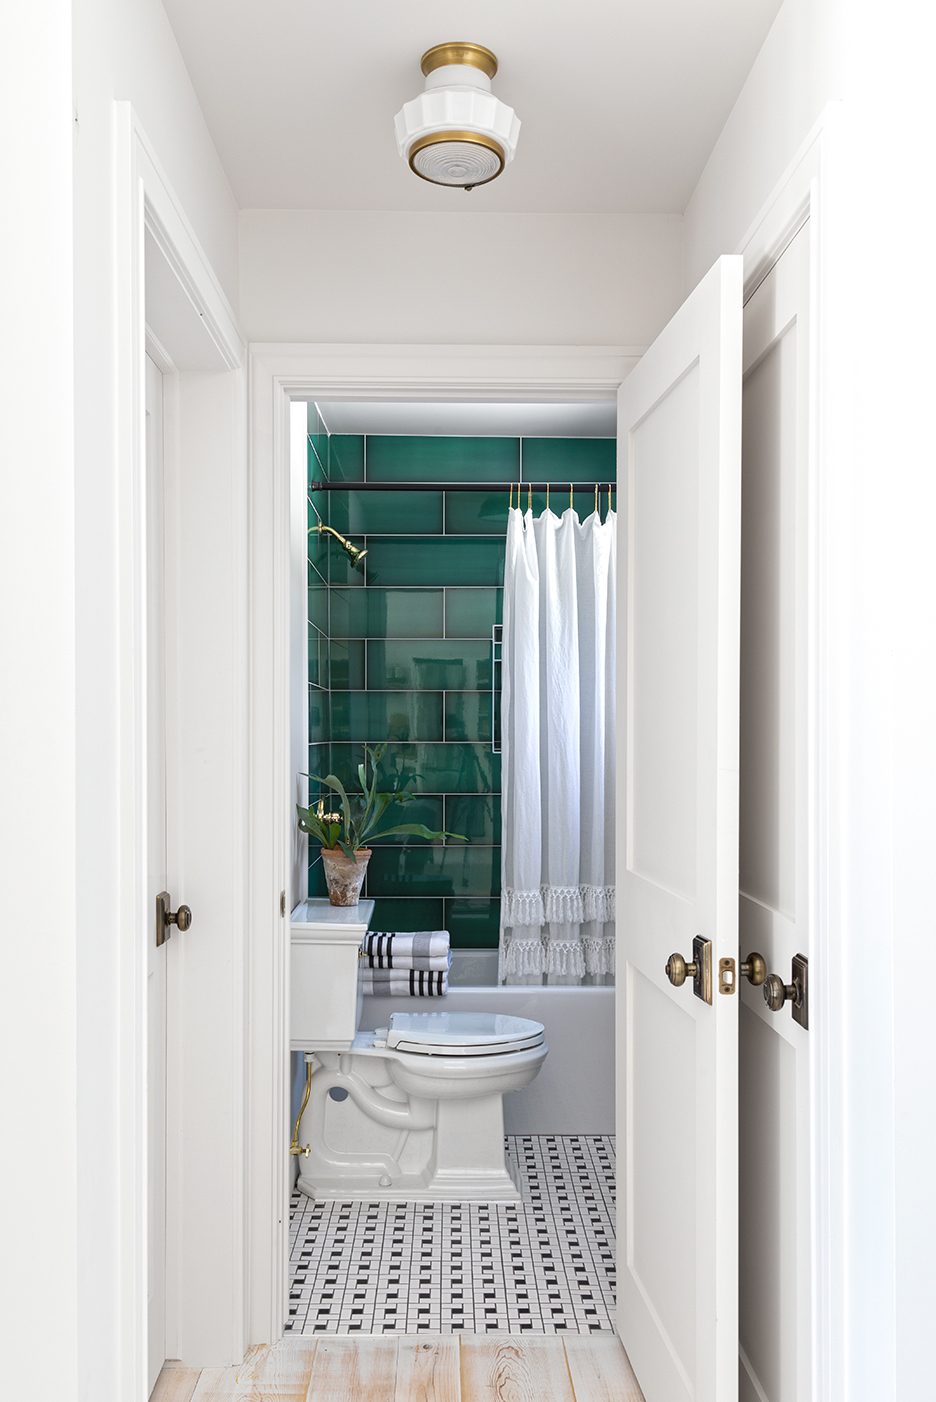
x=412, y=1368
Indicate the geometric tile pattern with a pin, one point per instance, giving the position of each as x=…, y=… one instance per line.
x=543, y=1266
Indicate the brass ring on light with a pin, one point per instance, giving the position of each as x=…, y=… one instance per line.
x=474, y=55
x=435, y=138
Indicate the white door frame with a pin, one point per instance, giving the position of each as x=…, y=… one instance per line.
x=278, y=375
x=145, y=205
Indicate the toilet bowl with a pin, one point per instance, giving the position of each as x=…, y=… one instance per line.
x=414, y=1111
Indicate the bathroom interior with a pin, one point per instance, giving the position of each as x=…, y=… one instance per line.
x=452, y=1157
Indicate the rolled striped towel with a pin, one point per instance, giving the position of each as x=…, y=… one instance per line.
x=417, y=949
x=405, y=983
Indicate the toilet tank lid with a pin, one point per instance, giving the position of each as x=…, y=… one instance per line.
x=460, y=1029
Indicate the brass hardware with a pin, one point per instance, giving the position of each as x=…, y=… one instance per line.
x=294, y=1147
x=471, y=138
x=354, y=552
x=727, y=983
x=282, y=902
x=754, y=969
x=699, y=970
x=472, y=55
x=777, y=993
x=167, y=917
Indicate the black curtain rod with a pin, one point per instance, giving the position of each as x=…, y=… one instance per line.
x=557, y=487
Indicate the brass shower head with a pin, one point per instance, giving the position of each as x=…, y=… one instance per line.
x=354, y=552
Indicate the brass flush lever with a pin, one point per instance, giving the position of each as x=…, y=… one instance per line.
x=166, y=917
x=777, y=993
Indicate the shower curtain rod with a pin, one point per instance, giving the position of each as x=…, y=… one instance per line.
x=556, y=487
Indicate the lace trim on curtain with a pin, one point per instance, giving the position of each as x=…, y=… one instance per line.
x=558, y=905
x=567, y=957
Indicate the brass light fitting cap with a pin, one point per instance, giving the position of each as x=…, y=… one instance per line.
x=474, y=55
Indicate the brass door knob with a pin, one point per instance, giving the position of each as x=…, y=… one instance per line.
x=754, y=969
x=181, y=918
x=678, y=970
x=777, y=993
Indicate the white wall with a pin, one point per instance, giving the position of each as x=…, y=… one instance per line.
x=798, y=70
x=123, y=49
x=587, y=279
x=38, y=1283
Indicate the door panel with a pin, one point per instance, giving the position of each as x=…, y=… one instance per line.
x=774, y=902
x=157, y=870
x=679, y=460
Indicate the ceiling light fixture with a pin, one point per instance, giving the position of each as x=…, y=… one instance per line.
x=457, y=132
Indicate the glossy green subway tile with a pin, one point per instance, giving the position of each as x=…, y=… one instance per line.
x=476, y=816
x=318, y=658
x=319, y=763
x=319, y=550
x=419, y=664
x=424, y=808
x=397, y=914
x=318, y=604
x=386, y=513
x=472, y=613
x=569, y=459
x=435, y=560
x=319, y=727
x=427, y=459
x=435, y=767
x=346, y=457
x=341, y=573
x=386, y=613
x=347, y=665
x=473, y=924
x=318, y=886
x=386, y=715
x=468, y=715
x=476, y=513
x=420, y=869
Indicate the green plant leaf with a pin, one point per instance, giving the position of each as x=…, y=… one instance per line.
x=415, y=830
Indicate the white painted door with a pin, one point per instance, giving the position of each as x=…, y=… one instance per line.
x=679, y=456
x=157, y=870
x=774, y=905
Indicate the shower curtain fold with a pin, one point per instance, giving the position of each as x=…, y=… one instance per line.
x=557, y=903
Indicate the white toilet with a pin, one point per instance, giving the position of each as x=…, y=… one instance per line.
x=414, y=1111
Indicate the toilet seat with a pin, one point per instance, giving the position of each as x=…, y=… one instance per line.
x=462, y=1034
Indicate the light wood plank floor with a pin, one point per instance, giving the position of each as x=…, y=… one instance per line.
x=412, y=1368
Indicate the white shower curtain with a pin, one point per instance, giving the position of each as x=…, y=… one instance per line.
x=557, y=726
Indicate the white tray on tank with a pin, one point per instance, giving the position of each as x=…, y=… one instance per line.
x=325, y=985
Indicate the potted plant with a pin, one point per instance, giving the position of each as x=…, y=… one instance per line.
x=344, y=834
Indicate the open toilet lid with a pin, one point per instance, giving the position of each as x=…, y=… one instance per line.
x=451, y=1034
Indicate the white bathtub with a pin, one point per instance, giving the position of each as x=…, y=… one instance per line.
x=574, y=1092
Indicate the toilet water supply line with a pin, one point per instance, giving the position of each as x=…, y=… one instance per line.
x=390, y=1113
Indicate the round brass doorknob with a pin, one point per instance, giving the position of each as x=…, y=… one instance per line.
x=754, y=969
x=181, y=918
x=678, y=970
x=777, y=993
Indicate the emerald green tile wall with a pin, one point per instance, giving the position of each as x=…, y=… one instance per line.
x=403, y=651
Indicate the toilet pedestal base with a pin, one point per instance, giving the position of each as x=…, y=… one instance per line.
x=465, y=1160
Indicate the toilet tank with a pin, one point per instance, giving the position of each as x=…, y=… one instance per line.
x=325, y=985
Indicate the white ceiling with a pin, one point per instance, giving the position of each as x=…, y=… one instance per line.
x=587, y=420
x=621, y=100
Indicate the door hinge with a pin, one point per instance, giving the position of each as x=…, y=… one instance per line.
x=282, y=902
x=727, y=982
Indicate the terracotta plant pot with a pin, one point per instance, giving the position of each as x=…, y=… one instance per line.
x=344, y=876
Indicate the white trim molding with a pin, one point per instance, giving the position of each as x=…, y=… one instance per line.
x=145, y=204
x=279, y=374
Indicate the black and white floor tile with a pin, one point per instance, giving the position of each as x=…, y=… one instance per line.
x=543, y=1266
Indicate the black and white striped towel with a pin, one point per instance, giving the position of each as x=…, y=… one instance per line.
x=416, y=949
x=405, y=983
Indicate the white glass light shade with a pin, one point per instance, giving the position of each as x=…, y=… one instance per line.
x=457, y=132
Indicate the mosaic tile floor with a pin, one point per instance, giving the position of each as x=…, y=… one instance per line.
x=544, y=1266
